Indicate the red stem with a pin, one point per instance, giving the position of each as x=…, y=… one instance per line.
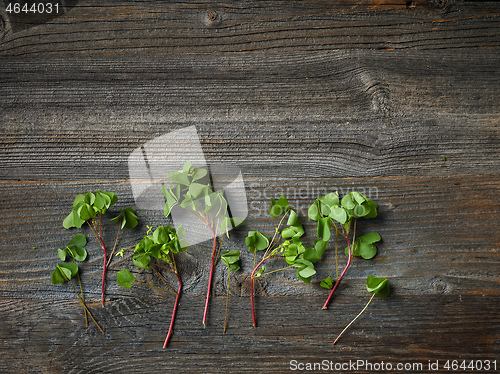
x=211, y=274
x=341, y=275
x=174, y=311
x=251, y=289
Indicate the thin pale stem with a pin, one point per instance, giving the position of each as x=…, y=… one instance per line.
x=162, y=277
x=116, y=242
x=98, y=236
x=227, y=298
x=325, y=306
x=274, y=271
x=83, y=298
x=355, y=318
x=83, y=303
x=210, y=276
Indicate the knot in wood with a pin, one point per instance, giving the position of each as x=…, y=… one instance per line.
x=212, y=18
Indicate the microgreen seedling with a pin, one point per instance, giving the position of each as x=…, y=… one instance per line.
x=162, y=244
x=191, y=191
x=66, y=271
x=329, y=211
x=290, y=249
x=232, y=261
x=89, y=208
x=378, y=286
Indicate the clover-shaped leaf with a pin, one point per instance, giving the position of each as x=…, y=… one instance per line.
x=278, y=207
x=363, y=246
x=64, y=272
x=379, y=286
x=339, y=214
x=125, y=278
x=305, y=270
x=313, y=254
x=128, y=217
x=231, y=259
x=314, y=211
x=257, y=241
x=327, y=283
x=324, y=226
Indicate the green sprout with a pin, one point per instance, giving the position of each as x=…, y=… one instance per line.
x=232, y=261
x=378, y=286
x=191, y=191
x=162, y=245
x=66, y=271
x=90, y=208
x=290, y=249
x=329, y=211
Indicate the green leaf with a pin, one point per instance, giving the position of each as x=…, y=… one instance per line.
x=199, y=173
x=171, y=200
x=313, y=254
x=62, y=253
x=78, y=253
x=179, y=177
x=86, y=212
x=256, y=241
x=187, y=167
x=324, y=226
x=305, y=270
x=338, y=214
x=358, y=197
x=101, y=201
x=327, y=283
x=78, y=240
x=125, y=278
x=231, y=259
x=330, y=199
x=348, y=201
x=379, y=286
x=197, y=189
x=314, y=211
x=142, y=260
x=278, y=207
x=181, y=232
x=111, y=195
x=73, y=220
x=64, y=272
x=363, y=246
x=160, y=235
x=372, y=209
x=129, y=218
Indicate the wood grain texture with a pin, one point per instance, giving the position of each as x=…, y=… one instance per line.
x=305, y=97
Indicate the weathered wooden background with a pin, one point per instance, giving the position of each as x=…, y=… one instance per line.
x=398, y=99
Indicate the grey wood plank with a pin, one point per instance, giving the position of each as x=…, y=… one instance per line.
x=270, y=26
x=376, y=113
x=51, y=336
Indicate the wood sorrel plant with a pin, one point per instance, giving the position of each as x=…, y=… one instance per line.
x=380, y=287
x=90, y=208
x=66, y=271
x=191, y=191
x=291, y=249
x=232, y=261
x=162, y=244
x=329, y=211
